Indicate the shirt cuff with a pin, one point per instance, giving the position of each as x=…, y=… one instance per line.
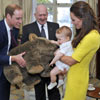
x=10, y=60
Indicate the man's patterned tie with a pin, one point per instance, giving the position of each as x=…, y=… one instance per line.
x=42, y=31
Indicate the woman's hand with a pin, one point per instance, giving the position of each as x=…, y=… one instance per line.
x=64, y=72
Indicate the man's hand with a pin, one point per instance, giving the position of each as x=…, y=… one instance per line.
x=19, y=59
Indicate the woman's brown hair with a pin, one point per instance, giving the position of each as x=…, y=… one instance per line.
x=83, y=11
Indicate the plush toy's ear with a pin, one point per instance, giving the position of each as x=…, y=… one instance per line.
x=32, y=36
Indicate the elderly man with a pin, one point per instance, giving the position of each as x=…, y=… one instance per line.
x=42, y=28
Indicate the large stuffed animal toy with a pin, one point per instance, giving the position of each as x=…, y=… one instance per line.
x=39, y=52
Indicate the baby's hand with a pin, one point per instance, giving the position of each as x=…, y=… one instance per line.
x=55, y=42
x=51, y=64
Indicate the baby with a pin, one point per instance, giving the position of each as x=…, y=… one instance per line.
x=63, y=36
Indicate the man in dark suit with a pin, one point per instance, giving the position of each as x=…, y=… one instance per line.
x=13, y=18
x=41, y=24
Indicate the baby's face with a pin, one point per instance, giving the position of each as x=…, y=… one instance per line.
x=62, y=38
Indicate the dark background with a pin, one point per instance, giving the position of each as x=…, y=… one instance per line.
x=98, y=52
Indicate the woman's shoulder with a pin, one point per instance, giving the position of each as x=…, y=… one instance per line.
x=92, y=37
x=94, y=34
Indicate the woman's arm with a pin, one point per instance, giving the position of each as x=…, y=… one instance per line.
x=68, y=60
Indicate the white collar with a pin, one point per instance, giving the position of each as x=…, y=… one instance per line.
x=45, y=25
x=7, y=26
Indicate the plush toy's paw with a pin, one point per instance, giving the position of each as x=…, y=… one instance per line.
x=29, y=82
x=35, y=69
x=31, y=85
x=46, y=72
x=13, y=74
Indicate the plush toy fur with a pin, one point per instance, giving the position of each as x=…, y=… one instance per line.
x=39, y=52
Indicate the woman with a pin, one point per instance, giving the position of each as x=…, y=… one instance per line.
x=85, y=44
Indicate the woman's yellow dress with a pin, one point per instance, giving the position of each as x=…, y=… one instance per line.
x=78, y=75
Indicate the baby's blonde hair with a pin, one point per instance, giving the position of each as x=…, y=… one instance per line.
x=64, y=30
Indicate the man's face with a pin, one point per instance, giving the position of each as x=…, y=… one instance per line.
x=41, y=16
x=16, y=19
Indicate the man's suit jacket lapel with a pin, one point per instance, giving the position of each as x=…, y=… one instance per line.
x=50, y=30
x=35, y=25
